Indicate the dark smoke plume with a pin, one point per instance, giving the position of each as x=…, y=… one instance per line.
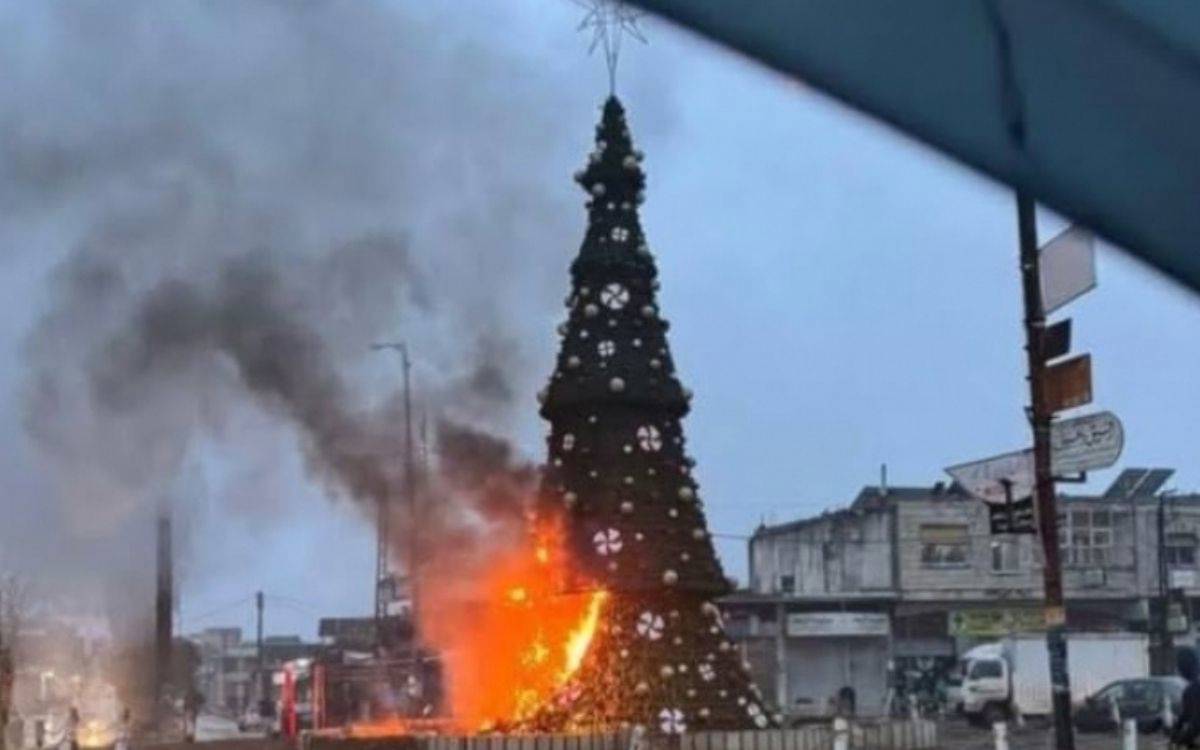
x=222, y=206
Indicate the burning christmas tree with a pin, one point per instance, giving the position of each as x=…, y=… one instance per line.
x=621, y=483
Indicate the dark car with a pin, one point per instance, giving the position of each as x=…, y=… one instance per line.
x=1139, y=699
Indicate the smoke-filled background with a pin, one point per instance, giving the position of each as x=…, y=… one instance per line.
x=210, y=209
x=215, y=209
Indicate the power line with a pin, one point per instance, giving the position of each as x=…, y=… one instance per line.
x=222, y=609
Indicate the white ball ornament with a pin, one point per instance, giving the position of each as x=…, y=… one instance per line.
x=670, y=577
x=627, y=507
x=573, y=361
x=591, y=310
x=598, y=189
x=648, y=311
x=667, y=671
x=698, y=534
x=672, y=513
x=570, y=498
x=686, y=493
x=703, y=713
x=655, y=364
x=641, y=688
x=616, y=385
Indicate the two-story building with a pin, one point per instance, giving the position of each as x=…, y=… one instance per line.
x=906, y=578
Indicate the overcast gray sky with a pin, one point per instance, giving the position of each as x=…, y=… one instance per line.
x=840, y=296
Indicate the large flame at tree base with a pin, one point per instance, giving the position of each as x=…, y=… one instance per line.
x=513, y=645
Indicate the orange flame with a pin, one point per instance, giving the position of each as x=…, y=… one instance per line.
x=510, y=643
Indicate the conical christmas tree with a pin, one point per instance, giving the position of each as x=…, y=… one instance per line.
x=619, y=478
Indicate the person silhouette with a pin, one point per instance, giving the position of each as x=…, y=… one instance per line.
x=1187, y=727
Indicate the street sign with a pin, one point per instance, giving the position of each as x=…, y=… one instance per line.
x=1067, y=384
x=985, y=479
x=1056, y=341
x=1084, y=443
x=1068, y=268
x=1011, y=518
x=1092, y=441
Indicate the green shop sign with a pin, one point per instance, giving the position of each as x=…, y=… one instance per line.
x=994, y=623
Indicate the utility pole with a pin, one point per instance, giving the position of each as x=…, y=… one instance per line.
x=410, y=493
x=1165, y=641
x=163, y=609
x=1040, y=417
x=263, y=681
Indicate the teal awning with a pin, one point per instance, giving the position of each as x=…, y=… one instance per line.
x=1092, y=106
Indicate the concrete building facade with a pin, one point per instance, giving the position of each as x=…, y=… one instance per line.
x=904, y=579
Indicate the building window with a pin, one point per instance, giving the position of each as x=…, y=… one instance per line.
x=1086, y=536
x=1180, y=550
x=787, y=584
x=945, y=545
x=1005, y=556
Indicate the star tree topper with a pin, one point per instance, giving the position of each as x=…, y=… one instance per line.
x=608, y=21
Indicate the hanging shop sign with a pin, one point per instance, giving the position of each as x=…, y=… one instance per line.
x=995, y=623
x=824, y=624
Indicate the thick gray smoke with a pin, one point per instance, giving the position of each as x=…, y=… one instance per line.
x=234, y=200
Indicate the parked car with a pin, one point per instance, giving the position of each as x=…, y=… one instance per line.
x=1140, y=699
x=952, y=692
x=1011, y=675
x=252, y=721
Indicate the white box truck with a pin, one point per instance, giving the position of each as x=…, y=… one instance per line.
x=1010, y=676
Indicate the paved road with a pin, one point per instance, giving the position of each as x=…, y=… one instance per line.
x=958, y=735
